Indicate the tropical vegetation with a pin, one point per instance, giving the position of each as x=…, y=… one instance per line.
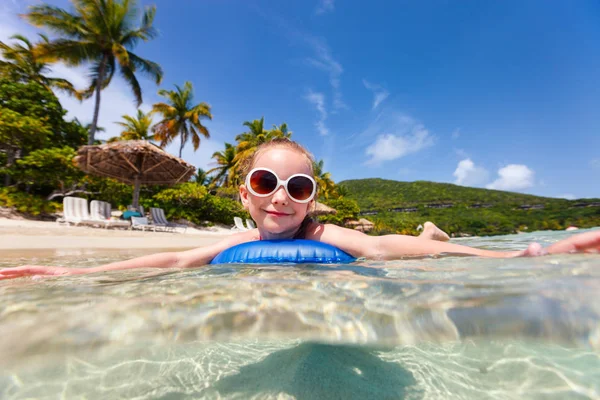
x=19, y=62
x=400, y=207
x=135, y=128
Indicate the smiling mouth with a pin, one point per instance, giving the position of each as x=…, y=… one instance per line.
x=279, y=214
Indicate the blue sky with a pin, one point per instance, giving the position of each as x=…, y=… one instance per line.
x=497, y=94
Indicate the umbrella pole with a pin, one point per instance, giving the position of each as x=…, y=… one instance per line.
x=136, y=192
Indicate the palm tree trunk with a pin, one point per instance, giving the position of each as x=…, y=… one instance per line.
x=99, y=82
x=181, y=146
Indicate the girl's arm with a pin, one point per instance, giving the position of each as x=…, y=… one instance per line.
x=390, y=247
x=184, y=259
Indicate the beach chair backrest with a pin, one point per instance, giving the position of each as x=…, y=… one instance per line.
x=139, y=221
x=142, y=211
x=82, y=208
x=107, y=210
x=250, y=224
x=158, y=216
x=97, y=210
x=68, y=208
x=79, y=209
x=239, y=223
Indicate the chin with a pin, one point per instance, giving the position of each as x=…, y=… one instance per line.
x=278, y=228
x=273, y=228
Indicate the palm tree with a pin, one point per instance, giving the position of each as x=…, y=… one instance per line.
x=135, y=128
x=201, y=177
x=248, y=141
x=21, y=63
x=257, y=135
x=324, y=181
x=180, y=117
x=101, y=32
x=340, y=191
x=226, y=169
x=280, y=131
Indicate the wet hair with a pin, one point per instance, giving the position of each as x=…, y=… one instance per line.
x=282, y=143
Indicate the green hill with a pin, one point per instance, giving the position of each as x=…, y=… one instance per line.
x=401, y=206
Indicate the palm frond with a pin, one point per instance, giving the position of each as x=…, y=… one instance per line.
x=71, y=52
x=130, y=78
x=151, y=69
x=57, y=20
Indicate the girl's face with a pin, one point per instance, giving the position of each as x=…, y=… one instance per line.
x=278, y=216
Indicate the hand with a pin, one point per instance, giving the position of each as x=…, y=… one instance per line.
x=34, y=270
x=588, y=242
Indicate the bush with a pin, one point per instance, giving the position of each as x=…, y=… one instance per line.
x=347, y=210
x=26, y=203
x=192, y=202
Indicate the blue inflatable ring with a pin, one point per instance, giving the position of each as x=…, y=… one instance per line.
x=296, y=251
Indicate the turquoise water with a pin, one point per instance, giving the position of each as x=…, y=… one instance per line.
x=435, y=328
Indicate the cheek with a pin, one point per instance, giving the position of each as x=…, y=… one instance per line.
x=255, y=203
x=301, y=210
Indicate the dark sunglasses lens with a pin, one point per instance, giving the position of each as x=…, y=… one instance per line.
x=300, y=187
x=263, y=182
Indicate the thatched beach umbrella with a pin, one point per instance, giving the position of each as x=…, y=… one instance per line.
x=362, y=224
x=322, y=209
x=366, y=224
x=135, y=162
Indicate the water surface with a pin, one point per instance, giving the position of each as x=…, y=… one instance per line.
x=435, y=328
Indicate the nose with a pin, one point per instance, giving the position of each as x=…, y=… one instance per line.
x=280, y=196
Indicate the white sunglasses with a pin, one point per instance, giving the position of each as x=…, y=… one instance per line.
x=263, y=182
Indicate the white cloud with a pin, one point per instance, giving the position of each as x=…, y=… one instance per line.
x=388, y=136
x=468, y=174
x=322, y=58
x=513, y=177
x=461, y=153
x=567, y=196
x=390, y=146
x=324, y=61
x=325, y=6
x=456, y=133
x=318, y=100
x=379, y=93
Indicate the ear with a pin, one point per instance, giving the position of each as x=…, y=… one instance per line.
x=244, y=196
x=311, y=206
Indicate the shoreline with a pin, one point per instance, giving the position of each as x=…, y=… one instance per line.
x=22, y=234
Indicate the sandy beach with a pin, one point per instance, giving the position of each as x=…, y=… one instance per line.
x=19, y=235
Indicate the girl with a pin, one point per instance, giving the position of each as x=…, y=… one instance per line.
x=279, y=191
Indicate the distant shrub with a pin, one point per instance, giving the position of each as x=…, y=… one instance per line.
x=27, y=204
x=347, y=209
x=192, y=202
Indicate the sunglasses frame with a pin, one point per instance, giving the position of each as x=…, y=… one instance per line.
x=283, y=183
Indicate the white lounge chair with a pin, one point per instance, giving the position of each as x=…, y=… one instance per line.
x=159, y=219
x=239, y=224
x=100, y=214
x=141, y=223
x=75, y=211
x=250, y=224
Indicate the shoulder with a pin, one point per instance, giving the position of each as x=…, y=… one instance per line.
x=351, y=241
x=242, y=237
